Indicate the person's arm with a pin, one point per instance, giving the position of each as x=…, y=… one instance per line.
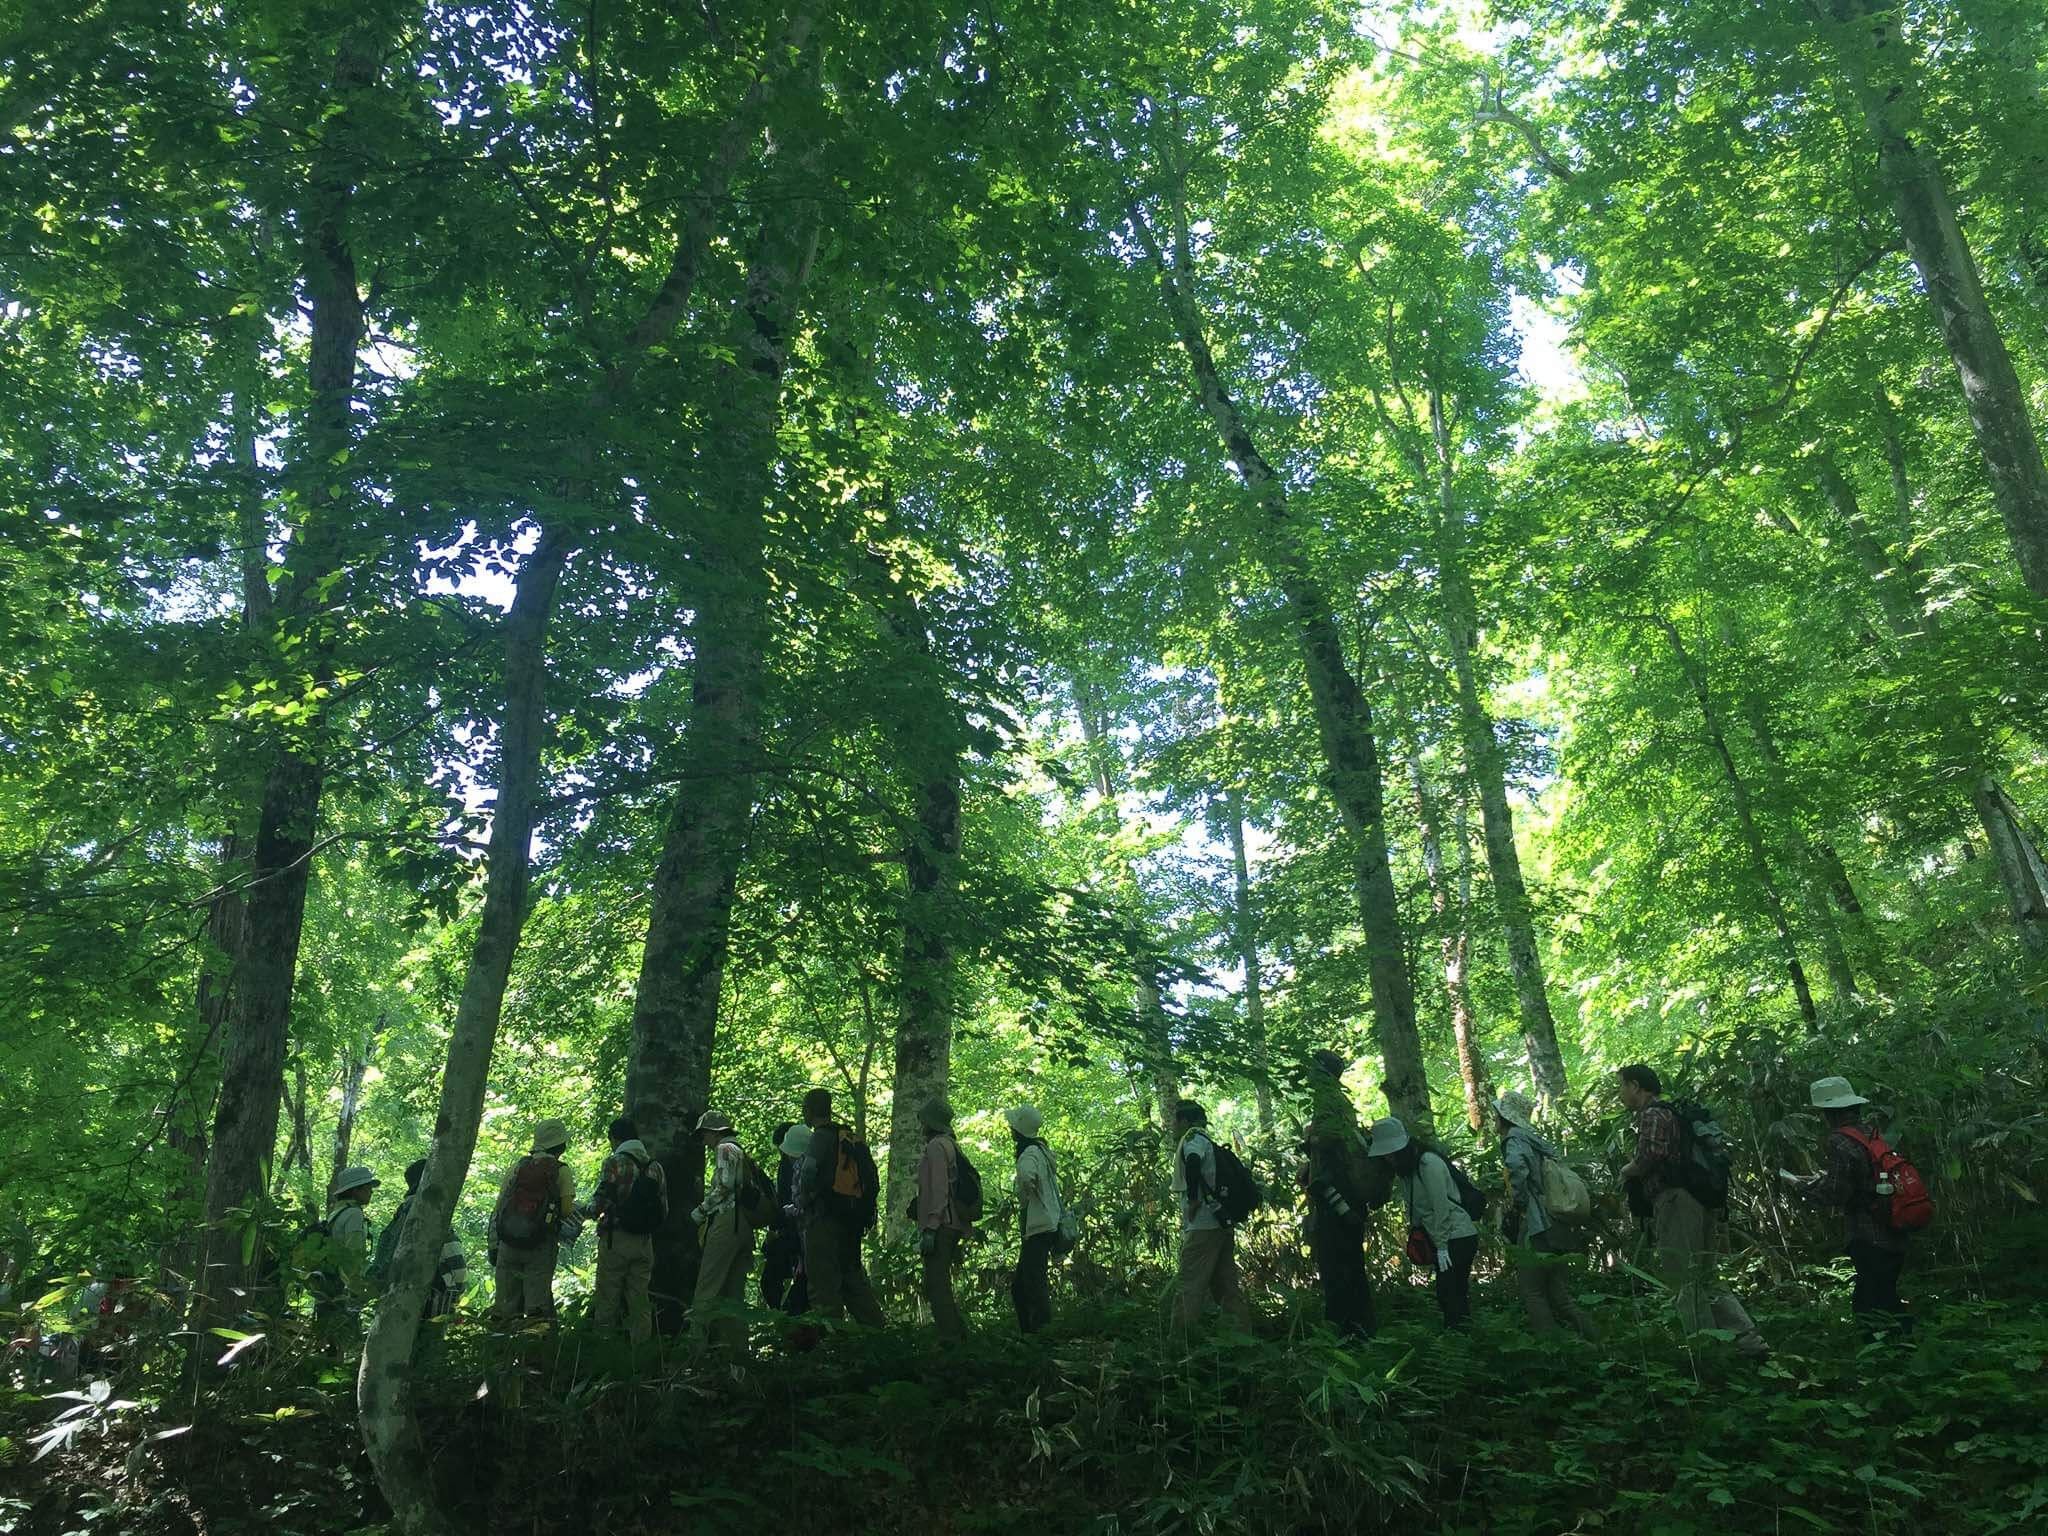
x=1432, y=1198
x=1656, y=1142
x=1521, y=1159
x=1839, y=1184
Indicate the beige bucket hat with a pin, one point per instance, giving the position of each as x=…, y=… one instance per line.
x=1514, y=1108
x=550, y=1134
x=1835, y=1093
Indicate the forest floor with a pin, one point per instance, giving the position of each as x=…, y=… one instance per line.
x=1106, y=1426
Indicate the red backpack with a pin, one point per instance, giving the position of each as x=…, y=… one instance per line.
x=531, y=1212
x=1902, y=1196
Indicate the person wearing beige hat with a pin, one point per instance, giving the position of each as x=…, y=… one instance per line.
x=635, y=1209
x=1852, y=1180
x=725, y=1244
x=1541, y=1245
x=535, y=1195
x=1039, y=1211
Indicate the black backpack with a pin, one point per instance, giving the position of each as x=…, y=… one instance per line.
x=1705, y=1159
x=966, y=1187
x=1470, y=1195
x=644, y=1208
x=1237, y=1193
x=758, y=1198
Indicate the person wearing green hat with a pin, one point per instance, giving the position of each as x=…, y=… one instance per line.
x=1849, y=1182
x=725, y=1243
x=1541, y=1244
x=535, y=1195
x=338, y=1281
x=1342, y=1188
x=943, y=1216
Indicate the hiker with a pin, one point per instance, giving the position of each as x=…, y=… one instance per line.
x=1542, y=1242
x=1441, y=1231
x=1858, y=1176
x=610, y=1174
x=835, y=1198
x=1208, y=1243
x=1040, y=1218
x=1340, y=1185
x=725, y=1243
x=451, y=1269
x=783, y=1286
x=632, y=1205
x=343, y=1241
x=945, y=1211
x=1681, y=1226
x=535, y=1197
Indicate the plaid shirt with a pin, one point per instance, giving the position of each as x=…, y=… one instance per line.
x=1658, y=1142
x=1848, y=1183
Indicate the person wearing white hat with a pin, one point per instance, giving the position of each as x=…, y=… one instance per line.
x=535, y=1195
x=1039, y=1210
x=782, y=1253
x=1434, y=1210
x=635, y=1208
x=1857, y=1167
x=1541, y=1244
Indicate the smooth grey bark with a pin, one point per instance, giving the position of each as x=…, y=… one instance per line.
x=353, y=1072
x=1454, y=941
x=1344, y=723
x=1882, y=73
x=689, y=921
x=253, y=1041
x=1245, y=930
x=2021, y=870
x=1745, y=818
x=1487, y=764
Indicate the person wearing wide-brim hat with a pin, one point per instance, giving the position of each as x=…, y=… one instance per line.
x=339, y=1275
x=1541, y=1246
x=725, y=1236
x=1343, y=1185
x=1848, y=1182
x=783, y=1288
x=536, y=1195
x=1039, y=1209
x=942, y=1224
x=1434, y=1210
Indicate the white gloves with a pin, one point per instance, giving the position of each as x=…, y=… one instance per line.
x=1443, y=1259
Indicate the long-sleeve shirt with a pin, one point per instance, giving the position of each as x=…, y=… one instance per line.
x=1848, y=1183
x=1432, y=1197
x=1659, y=1140
x=816, y=1171
x=728, y=1165
x=935, y=1186
x=565, y=1191
x=1194, y=1182
x=1524, y=1151
x=1038, y=1189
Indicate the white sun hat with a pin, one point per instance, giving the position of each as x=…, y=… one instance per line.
x=1835, y=1093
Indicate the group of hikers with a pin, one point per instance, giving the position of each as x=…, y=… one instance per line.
x=816, y=1210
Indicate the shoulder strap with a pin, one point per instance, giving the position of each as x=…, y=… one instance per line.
x=1873, y=1146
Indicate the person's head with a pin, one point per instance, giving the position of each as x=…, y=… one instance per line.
x=935, y=1116
x=713, y=1127
x=551, y=1138
x=1512, y=1111
x=1025, y=1123
x=1639, y=1085
x=818, y=1108
x=1390, y=1140
x=354, y=1185
x=622, y=1130
x=1189, y=1116
x=1328, y=1062
x=795, y=1142
x=414, y=1172
x=636, y=1149
x=1838, y=1103
x=782, y=1129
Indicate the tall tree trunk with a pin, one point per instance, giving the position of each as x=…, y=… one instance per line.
x=689, y=920
x=928, y=744
x=1894, y=580
x=1486, y=761
x=1882, y=73
x=384, y=1383
x=2021, y=869
x=1454, y=944
x=1245, y=927
x=1745, y=818
x=259, y=1013
x=1343, y=718
x=353, y=1072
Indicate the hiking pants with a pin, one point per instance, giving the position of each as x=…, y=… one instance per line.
x=938, y=1283
x=1683, y=1232
x=625, y=1269
x=1454, y=1285
x=782, y=1271
x=839, y=1281
x=1876, y=1297
x=1208, y=1269
x=1031, y=1285
x=526, y=1281
x=1339, y=1253
x=1544, y=1282
x=722, y=1270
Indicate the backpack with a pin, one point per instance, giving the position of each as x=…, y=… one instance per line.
x=1237, y=1194
x=1470, y=1195
x=315, y=1261
x=643, y=1208
x=1704, y=1156
x=966, y=1191
x=1563, y=1194
x=530, y=1214
x=1901, y=1194
x=758, y=1198
x=856, y=1180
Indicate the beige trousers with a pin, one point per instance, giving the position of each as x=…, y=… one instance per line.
x=1683, y=1232
x=1208, y=1271
x=625, y=1270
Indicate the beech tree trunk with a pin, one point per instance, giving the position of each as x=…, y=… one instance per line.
x=689, y=920
x=1488, y=766
x=258, y=1022
x=1745, y=819
x=1245, y=928
x=1454, y=944
x=353, y=1073
x=1343, y=718
x=2021, y=869
x=1882, y=73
